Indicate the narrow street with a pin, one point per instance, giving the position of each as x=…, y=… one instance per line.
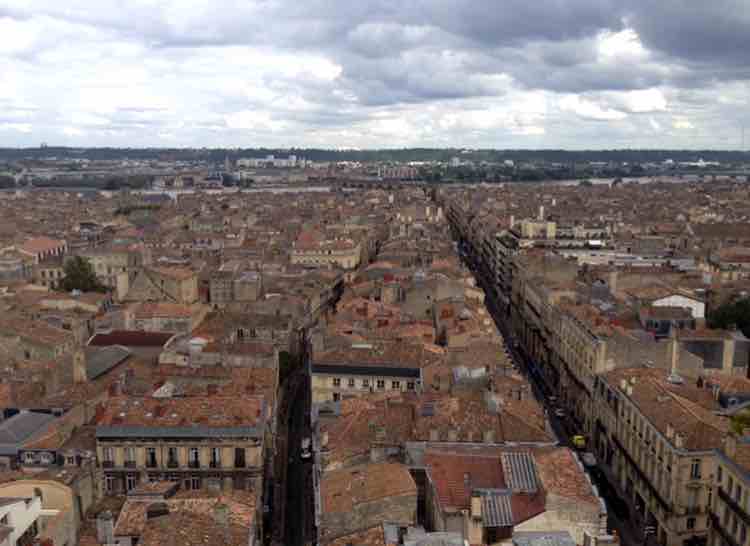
x=299, y=487
x=618, y=519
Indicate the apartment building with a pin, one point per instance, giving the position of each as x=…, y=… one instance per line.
x=199, y=442
x=656, y=435
x=364, y=368
x=730, y=510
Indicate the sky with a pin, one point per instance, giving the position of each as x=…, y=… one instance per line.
x=573, y=74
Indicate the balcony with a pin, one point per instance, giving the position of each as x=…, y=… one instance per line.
x=736, y=508
x=151, y=464
x=723, y=533
x=130, y=464
x=108, y=464
x=214, y=464
x=239, y=464
x=173, y=464
x=194, y=464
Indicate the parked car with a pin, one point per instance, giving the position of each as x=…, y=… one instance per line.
x=559, y=412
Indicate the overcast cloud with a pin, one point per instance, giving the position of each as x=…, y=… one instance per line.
x=375, y=73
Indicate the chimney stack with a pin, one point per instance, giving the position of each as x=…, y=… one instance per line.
x=79, y=367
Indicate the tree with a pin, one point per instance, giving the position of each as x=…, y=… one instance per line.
x=734, y=314
x=740, y=422
x=79, y=275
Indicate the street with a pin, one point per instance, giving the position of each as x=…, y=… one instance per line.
x=299, y=487
x=619, y=512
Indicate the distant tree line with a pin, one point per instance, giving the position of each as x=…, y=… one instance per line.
x=218, y=155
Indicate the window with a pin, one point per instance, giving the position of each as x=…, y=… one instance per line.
x=350, y=383
x=129, y=456
x=109, y=484
x=366, y=383
x=172, y=457
x=193, y=482
x=336, y=381
x=381, y=383
x=151, y=457
x=410, y=385
x=395, y=385
x=215, y=457
x=719, y=475
x=109, y=454
x=743, y=533
x=47, y=458
x=194, y=457
x=695, y=469
x=4, y=520
x=131, y=480
x=336, y=396
x=691, y=523
x=239, y=457
x=28, y=457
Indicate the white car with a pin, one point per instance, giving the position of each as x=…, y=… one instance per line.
x=559, y=412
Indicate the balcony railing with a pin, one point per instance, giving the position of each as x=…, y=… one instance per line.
x=108, y=464
x=151, y=464
x=173, y=464
x=239, y=464
x=194, y=464
x=722, y=532
x=214, y=464
x=727, y=498
x=130, y=464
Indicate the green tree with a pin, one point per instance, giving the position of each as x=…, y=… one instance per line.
x=740, y=422
x=734, y=314
x=79, y=275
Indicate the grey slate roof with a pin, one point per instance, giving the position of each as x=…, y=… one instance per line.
x=198, y=431
x=553, y=538
x=497, y=510
x=520, y=472
x=19, y=428
x=99, y=360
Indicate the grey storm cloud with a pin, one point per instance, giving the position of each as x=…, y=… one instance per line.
x=435, y=66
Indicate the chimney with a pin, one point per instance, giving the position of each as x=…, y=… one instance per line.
x=674, y=350
x=476, y=506
x=512, y=221
x=105, y=528
x=541, y=213
x=79, y=367
x=679, y=440
x=612, y=281
x=670, y=431
x=221, y=516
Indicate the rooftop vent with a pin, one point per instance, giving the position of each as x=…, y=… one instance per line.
x=675, y=379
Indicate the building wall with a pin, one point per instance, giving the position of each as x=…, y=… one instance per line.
x=565, y=514
x=399, y=510
x=649, y=466
x=21, y=517
x=730, y=508
x=324, y=388
x=60, y=522
x=697, y=308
